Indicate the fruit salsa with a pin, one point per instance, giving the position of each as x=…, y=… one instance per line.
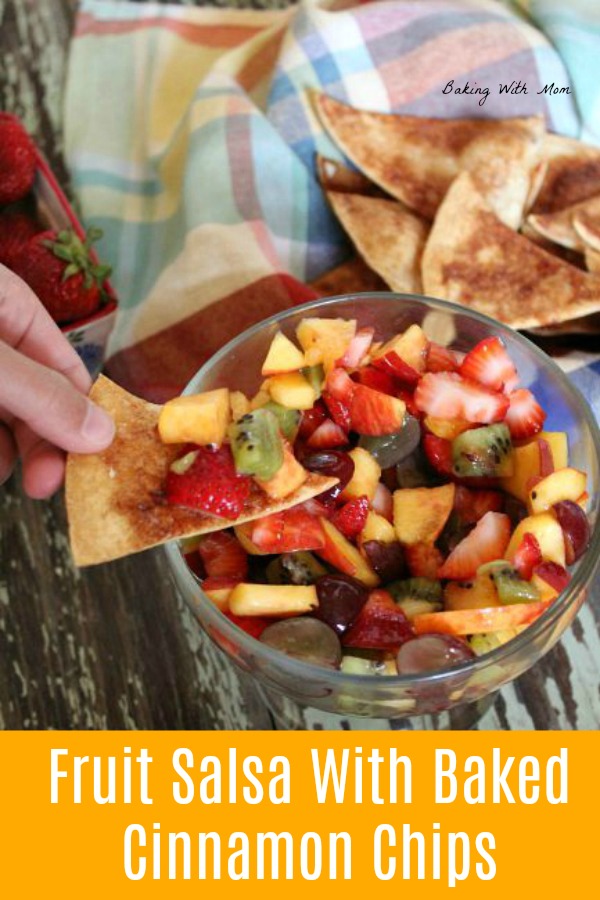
x=452, y=524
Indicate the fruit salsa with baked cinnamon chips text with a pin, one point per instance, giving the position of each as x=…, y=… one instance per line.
x=450, y=528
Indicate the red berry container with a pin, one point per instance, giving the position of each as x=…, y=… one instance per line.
x=89, y=336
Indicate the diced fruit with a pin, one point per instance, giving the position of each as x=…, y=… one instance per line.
x=525, y=416
x=484, y=643
x=325, y=340
x=373, y=663
x=257, y=445
x=292, y=391
x=210, y=483
x=365, y=478
x=288, y=477
x=377, y=380
x=509, y=584
x=380, y=625
x=377, y=528
x=428, y=590
x=386, y=558
x=283, y=356
x=334, y=463
x=299, y=567
x=306, y=639
x=341, y=599
x=396, y=367
x=390, y=449
x=252, y=625
x=479, y=621
x=439, y=454
x=357, y=348
x=479, y=593
x=372, y=412
x=446, y=428
x=446, y=395
x=311, y=419
x=527, y=556
x=243, y=533
x=548, y=533
x=431, y=652
x=550, y=579
x=340, y=386
x=283, y=532
x=288, y=419
x=272, y=599
x=218, y=591
x=315, y=375
x=471, y=505
x=410, y=347
x=489, y=364
x=261, y=398
x=483, y=453
x=421, y=513
x=327, y=435
x=198, y=419
x=383, y=501
x=344, y=556
x=562, y=484
x=412, y=607
x=440, y=359
x=576, y=529
x=423, y=560
x=223, y=556
x=488, y=541
x=238, y=404
x=526, y=462
x=339, y=412
x=350, y=518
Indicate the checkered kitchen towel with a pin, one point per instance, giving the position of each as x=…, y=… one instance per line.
x=191, y=141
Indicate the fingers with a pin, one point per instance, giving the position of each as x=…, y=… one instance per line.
x=27, y=326
x=8, y=453
x=50, y=405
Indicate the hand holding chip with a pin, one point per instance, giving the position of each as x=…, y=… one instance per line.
x=43, y=383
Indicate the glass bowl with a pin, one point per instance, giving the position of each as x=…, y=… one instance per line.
x=451, y=697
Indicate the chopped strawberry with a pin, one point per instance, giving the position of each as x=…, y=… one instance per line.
x=287, y=531
x=408, y=398
x=328, y=434
x=440, y=359
x=351, y=518
x=488, y=541
x=311, y=419
x=525, y=416
x=194, y=562
x=394, y=365
x=447, y=395
x=340, y=386
x=374, y=413
x=357, y=348
x=528, y=555
x=378, y=380
x=488, y=363
x=223, y=556
x=472, y=505
x=210, y=483
x=17, y=160
x=423, y=560
x=439, y=454
x=383, y=501
x=252, y=625
x=380, y=625
x=338, y=410
x=219, y=583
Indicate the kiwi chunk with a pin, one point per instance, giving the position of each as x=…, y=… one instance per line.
x=289, y=419
x=256, y=444
x=300, y=567
x=510, y=586
x=483, y=452
x=315, y=375
x=428, y=589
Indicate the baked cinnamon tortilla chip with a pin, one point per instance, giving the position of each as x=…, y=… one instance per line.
x=415, y=159
x=388, y=238
x=115, y=502
x=472, y=258
x=572, y=227
x=592, y=260
x=351, y=277
x=567, y=173
x=586, y=222
x=335, y=176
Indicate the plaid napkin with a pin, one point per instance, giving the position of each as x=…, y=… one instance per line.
x=191, y=141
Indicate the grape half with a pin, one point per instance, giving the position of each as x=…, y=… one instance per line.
x=305, y=638
x=430, y=652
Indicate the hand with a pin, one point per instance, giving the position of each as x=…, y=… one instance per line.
x=43, y=383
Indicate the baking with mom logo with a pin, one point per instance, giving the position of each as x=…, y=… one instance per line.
x=331, y=779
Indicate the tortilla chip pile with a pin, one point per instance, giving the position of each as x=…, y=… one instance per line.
x=494, y=214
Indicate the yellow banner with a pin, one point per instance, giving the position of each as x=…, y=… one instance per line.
x=100, y=814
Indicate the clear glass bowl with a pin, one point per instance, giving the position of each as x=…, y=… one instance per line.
x=290, y=685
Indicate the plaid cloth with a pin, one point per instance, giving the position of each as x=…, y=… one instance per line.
x=191, y=141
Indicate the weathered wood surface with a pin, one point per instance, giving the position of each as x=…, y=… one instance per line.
x=113, y=647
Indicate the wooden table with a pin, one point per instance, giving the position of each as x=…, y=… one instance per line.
x=113, y=647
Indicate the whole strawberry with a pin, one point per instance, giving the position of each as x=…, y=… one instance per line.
x=16, y=228
x=60, y=269
x=17, y=160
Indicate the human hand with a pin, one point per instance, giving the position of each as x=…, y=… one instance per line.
x=43, y=383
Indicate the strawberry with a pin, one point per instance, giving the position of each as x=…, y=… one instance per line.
x=394, y=365
x=374, y=413
x=287, y=531
x=376, y=379
x=351, y=518
x=380, y=625
x=60, y=269
x=210, y=483
x=252, y=625
x=486, y=542
x=527, y=556
x=439, y=454
x=357, y=348
x=472, y=505
x=16, y=228
x=311, y=419
x=488, y=363
x=423, y=560
x=223, y=556
x=447, y=395
x=338, y=410
x=17, y=160
x=440, y=359
x=195, y=563
x=525, y=416
x=328, y=434
x=340, y=386
x=408, y=398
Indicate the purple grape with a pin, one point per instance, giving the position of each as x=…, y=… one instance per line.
x=341, y=598
x=386, y=558
x=430, y=652
x=330, y=462
x=576, y=529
